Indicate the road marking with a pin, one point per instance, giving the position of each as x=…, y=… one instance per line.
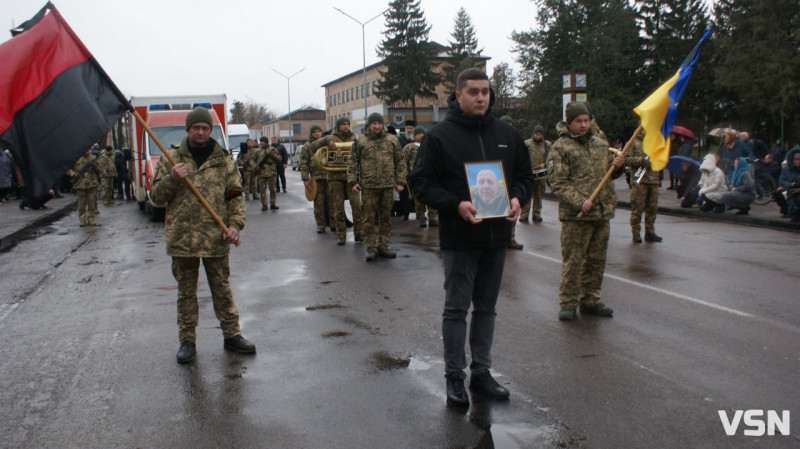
x=7, y=309
x=659, y=290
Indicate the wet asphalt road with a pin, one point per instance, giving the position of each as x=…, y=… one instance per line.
x=349, y=353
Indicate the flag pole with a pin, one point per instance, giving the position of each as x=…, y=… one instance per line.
x=188, y=181
x=611, y=169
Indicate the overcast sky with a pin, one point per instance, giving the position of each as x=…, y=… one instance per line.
x=184, y=47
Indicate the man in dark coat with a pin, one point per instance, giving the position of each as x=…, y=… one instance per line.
x=281, y=166
x=473, y=250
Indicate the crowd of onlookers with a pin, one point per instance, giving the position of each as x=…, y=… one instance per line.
x=739, y=172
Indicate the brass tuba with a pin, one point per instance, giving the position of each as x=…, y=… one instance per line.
x=334, y=159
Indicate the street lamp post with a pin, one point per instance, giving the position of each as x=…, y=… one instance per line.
x=289, y=97
x=363, y=53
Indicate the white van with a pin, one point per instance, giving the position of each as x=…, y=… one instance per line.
x=236, y=135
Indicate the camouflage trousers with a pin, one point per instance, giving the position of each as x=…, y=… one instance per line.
x=336, y=193
x=319, y=203
x=644, y=198
x=583, y=262
x=107, y=190
x=87, y=205
x=536, y=200
x=378, y=201
x=419, y=211
x=263, y=183
x=185, y=270
x=249, y=184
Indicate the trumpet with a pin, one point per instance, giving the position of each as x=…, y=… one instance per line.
x=334, y=159
x=640, y=172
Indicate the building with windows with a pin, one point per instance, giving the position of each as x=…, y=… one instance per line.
x=301, y=121
x=344, y=97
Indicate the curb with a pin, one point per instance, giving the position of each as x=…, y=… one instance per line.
x=696, y=214
x=8, y=241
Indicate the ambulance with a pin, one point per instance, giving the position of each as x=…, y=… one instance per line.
x=166, y=117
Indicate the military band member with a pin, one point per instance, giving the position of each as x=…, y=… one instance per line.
x=309, y=169
x=192, y=235
x=376, y=169
x=264, y=162
x=538, y=149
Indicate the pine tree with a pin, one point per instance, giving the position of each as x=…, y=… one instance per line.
x=407, y=54
x=463, y=51
x=503, y=81
x=599, y=37
x=237, y=112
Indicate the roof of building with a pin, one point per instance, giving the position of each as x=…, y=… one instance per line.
x=294, y=113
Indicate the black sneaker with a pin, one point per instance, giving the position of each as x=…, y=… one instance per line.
x=239, y=344
x=186, y=352
x=456, y=393
x=484, y=383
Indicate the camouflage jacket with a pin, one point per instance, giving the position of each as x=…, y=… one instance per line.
x=376, y=162
x=335, y=137
x=190, y=229
x=107, y=168
x=243, y=161
x=635, y=158
x=88, y=179
x=575, y=168
x=268, y=167
x=410, y=155
x=538, y=152
x=308, y=164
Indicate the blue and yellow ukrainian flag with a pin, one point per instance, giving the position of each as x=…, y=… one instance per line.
x=659, y=110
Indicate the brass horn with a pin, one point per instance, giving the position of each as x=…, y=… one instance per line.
x=334, y=159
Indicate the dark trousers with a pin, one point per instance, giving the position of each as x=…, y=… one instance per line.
x=281, y=179
x=470, y=278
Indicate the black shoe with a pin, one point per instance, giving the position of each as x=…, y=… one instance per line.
x=484, y=383
x=372, y=256
x=637, y=238
x=706, y=207
x=434, y=223
x=273, y=207
x=523, y=220
x=239, y=344
x=263, y=207
x=744, y=211
x=652, y=238
x=719, y=209
x=358, y=238
x=186, y=352
x=341, y=241
x=456, y=393
x=348, y=223
x=405, y=217
x=386, y=253
x=537, y=218
x=321, y=230
x=567, y=314
x=598, y=309
x=423, y=224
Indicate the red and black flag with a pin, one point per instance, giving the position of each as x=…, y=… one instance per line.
x=55, y=99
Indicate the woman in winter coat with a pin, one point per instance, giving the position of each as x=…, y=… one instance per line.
x=712, y=185
x=743, y=192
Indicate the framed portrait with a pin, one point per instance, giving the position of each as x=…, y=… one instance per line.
x=487, y=189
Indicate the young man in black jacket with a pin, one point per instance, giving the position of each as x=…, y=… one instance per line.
x=473, y=250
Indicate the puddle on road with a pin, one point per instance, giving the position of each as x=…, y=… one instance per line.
x=273, y=273
x=384, y=361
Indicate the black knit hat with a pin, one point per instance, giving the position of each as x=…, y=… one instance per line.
x=198, y=115
x=576, y=108
x=419, y=130
x=314, y=128
x=538, y=129
x=411, y=123
x=264, y=139
x=374, y=117
x=340, y=121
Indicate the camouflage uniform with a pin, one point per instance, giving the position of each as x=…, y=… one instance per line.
x=86, y=187
x=192, y=234
x=337, y=190
x=409, y=156
x=644, y=195
x=266, y=173
x=376, y=163
x=538, y=152
x=575, y=168
x=309, y=169
x=109, y=172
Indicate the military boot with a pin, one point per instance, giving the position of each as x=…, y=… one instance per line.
x=239, y=344
x=386, y=253
x=598, y=309
x=515, y=245
x=637, y=238
x=652, y=237
x=372, y=255
x=567, y=314
x=186, y=352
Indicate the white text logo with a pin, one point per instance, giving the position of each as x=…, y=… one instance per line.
x=756, y=425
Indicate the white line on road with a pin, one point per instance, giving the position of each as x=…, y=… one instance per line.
x=658, y=290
